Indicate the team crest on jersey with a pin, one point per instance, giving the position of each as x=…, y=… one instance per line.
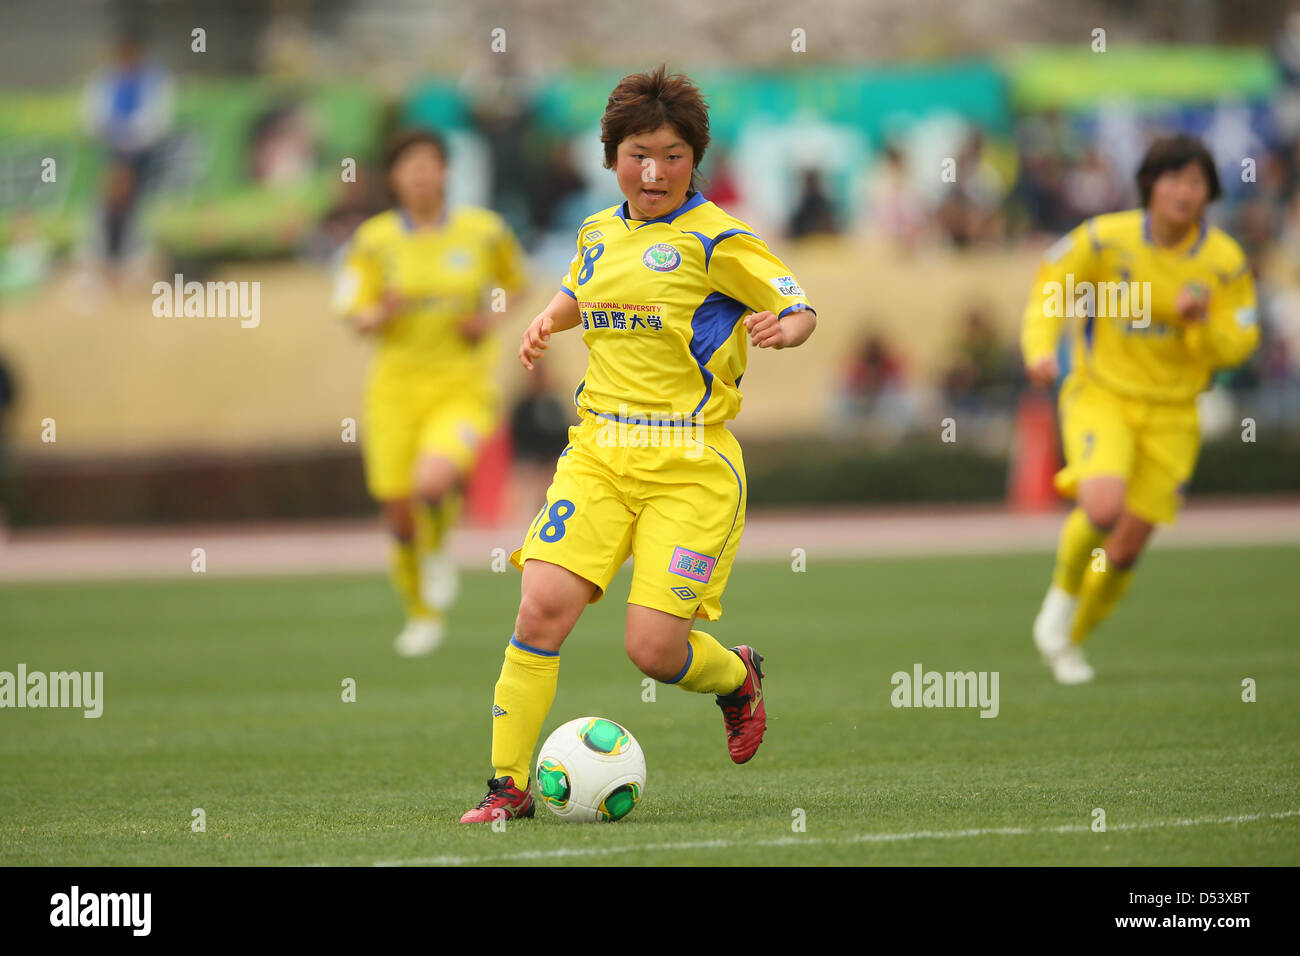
x=691, y=564
x=662, y=257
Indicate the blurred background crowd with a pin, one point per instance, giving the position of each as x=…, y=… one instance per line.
x=910, y=160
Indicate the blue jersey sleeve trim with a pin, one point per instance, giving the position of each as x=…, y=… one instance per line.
x=711, y=244
x=569, y=292
x=797, y=307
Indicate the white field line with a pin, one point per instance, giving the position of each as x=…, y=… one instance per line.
x=527, y=855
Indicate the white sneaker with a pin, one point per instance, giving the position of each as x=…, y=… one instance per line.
x=439, y=580
x=1052, y=626
x=1070, y=666
x=422, y=635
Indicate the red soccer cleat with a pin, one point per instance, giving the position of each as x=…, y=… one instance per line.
x=504, y=801
x=743, y=712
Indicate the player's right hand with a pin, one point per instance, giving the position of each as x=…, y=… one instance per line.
x=1042, y=374
x=535, y=340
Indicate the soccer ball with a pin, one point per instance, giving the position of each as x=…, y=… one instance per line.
x=590, y=769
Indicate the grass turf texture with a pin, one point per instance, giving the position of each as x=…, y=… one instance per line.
x=226, y=694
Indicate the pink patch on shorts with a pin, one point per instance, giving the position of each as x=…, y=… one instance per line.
x=691, y=564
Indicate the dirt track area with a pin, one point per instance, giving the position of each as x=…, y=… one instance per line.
x=361, y=546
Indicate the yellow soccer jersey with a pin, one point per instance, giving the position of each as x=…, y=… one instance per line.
x=445, y=274
x=1128, y=335
x=662, y=303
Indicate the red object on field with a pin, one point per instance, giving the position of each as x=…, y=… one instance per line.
x=1036, y=457
x=485, y=493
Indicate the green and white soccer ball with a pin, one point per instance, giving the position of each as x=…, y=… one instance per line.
x=590, y=769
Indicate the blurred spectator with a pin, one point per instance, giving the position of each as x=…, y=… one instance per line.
x=1047, y=144
x=8, y=396
x=875, y=370
x=559, y=180
x=283, y=148
x=127, y=108
x=986, y=370
x=521, y=152
x=895, y=208
x=813, y=213
x=971, y=211
x=1091, y=187
x=26, y=256
x=722, y=187
x=875, y=388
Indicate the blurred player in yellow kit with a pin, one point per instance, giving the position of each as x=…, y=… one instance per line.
x=669, y=291
x=1160, y=301
x=419, y=278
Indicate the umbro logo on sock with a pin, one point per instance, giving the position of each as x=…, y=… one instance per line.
x=498, y=711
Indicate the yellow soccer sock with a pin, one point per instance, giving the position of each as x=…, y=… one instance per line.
x=428, y=527
x=434, y=522
x=450, y=508
x=710, y=667
x=404, y=572
x=1098, y=596
x=524, y=693
x=1079, y=538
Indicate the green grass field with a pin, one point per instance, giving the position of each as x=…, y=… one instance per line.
x=226, y=695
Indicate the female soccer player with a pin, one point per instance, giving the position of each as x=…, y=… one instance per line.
x=1163, y=301
x=418, y=278
x=666, y=287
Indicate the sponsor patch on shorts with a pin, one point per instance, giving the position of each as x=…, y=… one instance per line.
x=691, y=564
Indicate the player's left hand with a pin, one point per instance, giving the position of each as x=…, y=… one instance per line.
x=1192, y=301
x=766, y=331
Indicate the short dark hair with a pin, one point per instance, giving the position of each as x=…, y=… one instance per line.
x=405, y=139
x=643, y=102
x=1171, y=153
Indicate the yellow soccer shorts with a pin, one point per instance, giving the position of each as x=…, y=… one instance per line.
x=408, y=417
x=1152, y=446
x=670, y=496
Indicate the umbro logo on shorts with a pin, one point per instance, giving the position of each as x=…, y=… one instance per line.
x=683, y=592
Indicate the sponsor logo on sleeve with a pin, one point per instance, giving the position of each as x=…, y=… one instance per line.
x=786, y=285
